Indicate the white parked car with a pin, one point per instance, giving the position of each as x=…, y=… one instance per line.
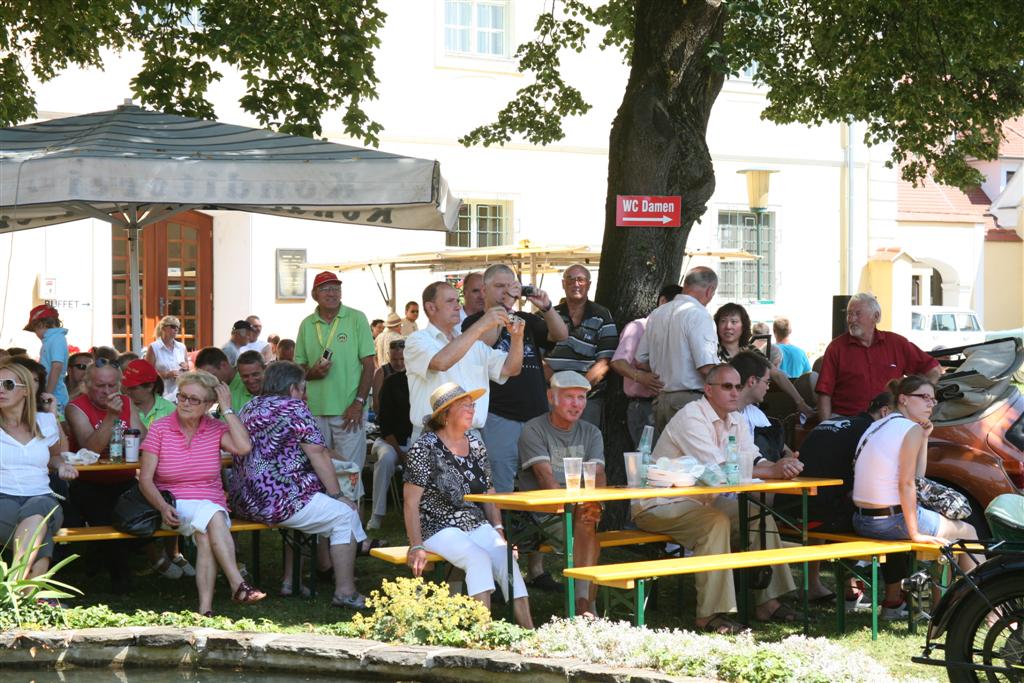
x=943, y=327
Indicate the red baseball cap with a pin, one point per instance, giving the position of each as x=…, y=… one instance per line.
x=139, y=371
x=40, y=312
x=324, y=278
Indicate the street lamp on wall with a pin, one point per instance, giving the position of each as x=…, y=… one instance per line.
x=757, y=199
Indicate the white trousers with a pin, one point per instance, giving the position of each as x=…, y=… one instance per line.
x=327, y=517
x=482, y=554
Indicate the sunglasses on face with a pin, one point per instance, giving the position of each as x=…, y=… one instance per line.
x=103, y=362
x=190, y=400
x=10, y=384
x=728, y=386
x=80, y=366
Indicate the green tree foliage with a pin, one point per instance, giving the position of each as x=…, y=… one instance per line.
x=299, y=59
x=935, y=79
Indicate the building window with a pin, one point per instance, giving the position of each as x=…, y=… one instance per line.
x=754, y=233
x=481, y=225
x=476, y=27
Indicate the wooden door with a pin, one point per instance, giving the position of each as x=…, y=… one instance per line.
x=177, y=279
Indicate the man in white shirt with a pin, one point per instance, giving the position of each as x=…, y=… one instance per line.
x=680, y=344
x=709, y=524
x=255, y=343
x=437, y=354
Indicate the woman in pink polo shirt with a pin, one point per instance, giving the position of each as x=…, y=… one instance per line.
x=181, y=454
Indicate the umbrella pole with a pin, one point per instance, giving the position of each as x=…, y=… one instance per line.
x=134, y=284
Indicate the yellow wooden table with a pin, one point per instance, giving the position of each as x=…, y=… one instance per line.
x=104, y=465
x=562, y=501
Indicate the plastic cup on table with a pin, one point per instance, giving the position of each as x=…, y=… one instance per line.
x=634, y=474
x=746, y=468
x=573, y=468
x=590, y=475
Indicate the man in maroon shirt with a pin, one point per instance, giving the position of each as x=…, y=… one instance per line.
x=858, y=364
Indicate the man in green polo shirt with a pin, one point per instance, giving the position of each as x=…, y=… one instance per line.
x=335, y=347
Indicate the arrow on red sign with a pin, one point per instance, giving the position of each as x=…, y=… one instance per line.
x=644, y=210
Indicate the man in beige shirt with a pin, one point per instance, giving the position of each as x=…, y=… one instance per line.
x=710, y=524
x=382, y=344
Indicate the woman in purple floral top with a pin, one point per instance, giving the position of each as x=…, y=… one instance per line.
x=289, y=480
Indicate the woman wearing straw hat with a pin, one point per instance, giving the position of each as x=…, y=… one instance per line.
x=445, y=464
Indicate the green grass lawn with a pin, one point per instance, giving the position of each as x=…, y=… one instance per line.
x=894, y=647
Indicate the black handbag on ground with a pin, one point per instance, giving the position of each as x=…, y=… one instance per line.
x=134, y=515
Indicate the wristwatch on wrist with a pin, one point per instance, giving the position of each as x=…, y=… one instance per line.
x=227, y=411
x=545, y=310
x=361, y=400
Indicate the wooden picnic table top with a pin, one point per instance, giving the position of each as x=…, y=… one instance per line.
x=553, y=500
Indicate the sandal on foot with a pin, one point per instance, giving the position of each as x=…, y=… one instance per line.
x=184, y=565
x=723, y=626
x=782, y=614
x=354, y=601
x=246, y=594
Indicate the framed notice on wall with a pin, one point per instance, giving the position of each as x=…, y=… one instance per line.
x=291, y=274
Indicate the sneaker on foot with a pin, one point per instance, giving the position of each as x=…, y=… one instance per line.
x=896, y=612
x=858, y=604
x=184, y=565
x=167, y=568
x=375, y=522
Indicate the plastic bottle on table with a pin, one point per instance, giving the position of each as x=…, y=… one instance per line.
x=117, y=443
x=645, y=447
x=732, y=462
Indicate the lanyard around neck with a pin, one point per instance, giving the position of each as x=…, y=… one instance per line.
x=330, y=334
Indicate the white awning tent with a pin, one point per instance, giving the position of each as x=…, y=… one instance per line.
x=133, y=167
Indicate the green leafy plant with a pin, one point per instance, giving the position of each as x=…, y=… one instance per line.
x=20, y=595
x=418, y=612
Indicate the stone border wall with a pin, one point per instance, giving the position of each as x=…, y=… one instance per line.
x=164, y=648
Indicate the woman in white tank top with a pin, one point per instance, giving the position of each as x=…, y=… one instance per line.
x=168, y=355
x=892, y=453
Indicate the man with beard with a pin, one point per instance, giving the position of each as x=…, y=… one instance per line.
x=858, y=365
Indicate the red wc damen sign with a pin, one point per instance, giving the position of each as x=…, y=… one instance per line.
x=641, y=210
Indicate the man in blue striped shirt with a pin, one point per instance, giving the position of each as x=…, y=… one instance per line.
x=592, y=340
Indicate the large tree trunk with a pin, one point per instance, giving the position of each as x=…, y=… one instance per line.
x=657, y=147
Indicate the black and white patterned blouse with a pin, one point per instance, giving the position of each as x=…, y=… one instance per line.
x=445, y=478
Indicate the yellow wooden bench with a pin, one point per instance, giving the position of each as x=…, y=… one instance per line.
x=923, y=551
x=608, y=539
x=635, y=575
x=109, y=533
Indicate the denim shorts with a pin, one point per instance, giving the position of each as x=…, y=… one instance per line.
x=893, y=527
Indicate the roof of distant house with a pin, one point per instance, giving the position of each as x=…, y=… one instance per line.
x=931, y=202
x=1013, y=142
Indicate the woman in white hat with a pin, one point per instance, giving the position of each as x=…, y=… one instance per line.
x=445, y=464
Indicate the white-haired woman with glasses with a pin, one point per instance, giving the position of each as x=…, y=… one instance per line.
x=168, y=355
x=181, y=454
x=444, y=465
x=29, y=449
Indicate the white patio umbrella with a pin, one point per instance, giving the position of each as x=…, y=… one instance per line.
x=133, y=167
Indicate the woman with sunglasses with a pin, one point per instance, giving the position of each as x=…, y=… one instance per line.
x=181, y=454
x=734, y=334
x=890, y=456
x=29, y=449
x=168, y=355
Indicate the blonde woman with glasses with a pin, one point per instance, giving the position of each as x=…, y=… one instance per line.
x=168, y=355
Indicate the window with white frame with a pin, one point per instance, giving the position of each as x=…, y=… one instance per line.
x=482, y=224
x=753, y=233
x=477, y=27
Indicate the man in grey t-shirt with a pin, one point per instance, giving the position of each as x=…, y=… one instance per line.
x=545, y=442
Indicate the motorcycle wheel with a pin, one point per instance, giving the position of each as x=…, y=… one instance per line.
x=988, y=637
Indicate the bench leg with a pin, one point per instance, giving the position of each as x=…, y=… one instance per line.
x=840, y=572
x=912, y=603
x=570, y=583
x=255, y=551
x=874, y=597
x=639, y=601
x=807, y=578
x=742, y=594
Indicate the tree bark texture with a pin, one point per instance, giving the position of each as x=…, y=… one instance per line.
x=657, y=147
